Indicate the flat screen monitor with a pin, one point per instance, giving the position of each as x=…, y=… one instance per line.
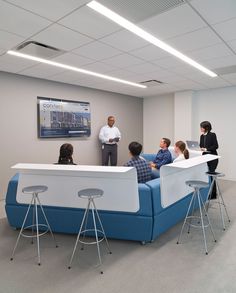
x=63, y=118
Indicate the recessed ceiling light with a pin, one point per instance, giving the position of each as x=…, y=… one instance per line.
x=146, y=36
x=68, y=67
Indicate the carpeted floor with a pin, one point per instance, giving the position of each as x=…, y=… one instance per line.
x=161, y=266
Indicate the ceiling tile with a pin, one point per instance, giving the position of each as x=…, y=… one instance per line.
x=121, y=73
x=221, y=62
x=8, y=40
x=14, y=64
x=215, y=10
x=47, y=9
x=99, y=67
x=97, y=51
x=230, y=78
x=41, y=70
x=66, y=76
x=227, y=29
x=143, y=68
x=216, y=51
x=174, y=22
x=232, y=44
x=216, y=82
x=195, y=40
x=90, y=23
x=73, y=59
x=123, y=61
x=19, y=21
x=169, y=62
x=62, y=38
x=124, y=40
x=149, y=53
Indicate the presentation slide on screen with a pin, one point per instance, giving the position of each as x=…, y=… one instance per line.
x=63, y=118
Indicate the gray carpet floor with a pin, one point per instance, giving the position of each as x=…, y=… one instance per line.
x=161, y=266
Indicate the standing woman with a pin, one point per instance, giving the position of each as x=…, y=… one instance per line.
x=209, y=145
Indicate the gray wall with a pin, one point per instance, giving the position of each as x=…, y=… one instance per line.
x=18, y=123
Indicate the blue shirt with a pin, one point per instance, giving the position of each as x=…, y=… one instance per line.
x=142, y=167
x=163, y=157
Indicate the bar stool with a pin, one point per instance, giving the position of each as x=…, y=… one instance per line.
x=219, y=198
x=35, y=202
x=197, y=185
x=90, y=194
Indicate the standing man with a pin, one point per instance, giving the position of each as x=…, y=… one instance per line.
x=109, y=136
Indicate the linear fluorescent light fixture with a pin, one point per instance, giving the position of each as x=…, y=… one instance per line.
x=68, y=67
x=146, y=36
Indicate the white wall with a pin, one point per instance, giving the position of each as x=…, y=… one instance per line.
x=183, y=116
x=18, y=123
x=158, y=121
x=218, y=106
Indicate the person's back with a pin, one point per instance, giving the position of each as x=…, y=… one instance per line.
x=142, y=167
x=65, y=156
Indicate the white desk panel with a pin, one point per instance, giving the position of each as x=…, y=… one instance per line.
x=64, y=181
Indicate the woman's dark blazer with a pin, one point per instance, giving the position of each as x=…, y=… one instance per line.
x=209, y=141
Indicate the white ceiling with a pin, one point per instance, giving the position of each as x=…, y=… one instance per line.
x=202, y=29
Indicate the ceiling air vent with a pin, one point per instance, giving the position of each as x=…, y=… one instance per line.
x=152, y=82
x=39, y=50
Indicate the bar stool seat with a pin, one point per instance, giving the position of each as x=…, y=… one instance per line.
x=219, y=197
x=90, y=194
x=35, y=202
x=196, y=197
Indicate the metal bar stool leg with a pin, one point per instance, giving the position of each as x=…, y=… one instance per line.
x=222, y=199
x=186, y=217
x=85, y=225
x=100, y=223
x=37, y=230
x=202, y=223
x=49, y=227
x=22, y=228
x=209, y=193
x=77, y=239
x=96, y=236
x=206, y=214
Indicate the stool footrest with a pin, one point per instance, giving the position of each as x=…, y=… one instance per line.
x=92, y=242
x=34, y=226
x=196, y=225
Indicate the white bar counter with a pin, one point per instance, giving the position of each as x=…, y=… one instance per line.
x=64, y=181
x=174, y=175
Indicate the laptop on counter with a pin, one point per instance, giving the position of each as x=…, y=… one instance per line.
x=193, y=145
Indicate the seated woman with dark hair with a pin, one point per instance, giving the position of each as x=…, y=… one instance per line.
x=65, y=157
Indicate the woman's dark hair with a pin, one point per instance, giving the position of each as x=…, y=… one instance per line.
x=66, y=152
x=182, y=146
x=206, y=125
x=135, y=148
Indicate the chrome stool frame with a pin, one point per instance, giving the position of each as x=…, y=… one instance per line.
x=197, y=185
x=219, y=198
x=35, y=202
x=90, y=194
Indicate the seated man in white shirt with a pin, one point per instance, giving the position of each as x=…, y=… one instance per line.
x=109, y=136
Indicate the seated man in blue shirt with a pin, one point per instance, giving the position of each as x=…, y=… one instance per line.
x=142, y=167
x=163, y=157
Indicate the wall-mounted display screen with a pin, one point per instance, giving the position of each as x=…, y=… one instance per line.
x=63, y=118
